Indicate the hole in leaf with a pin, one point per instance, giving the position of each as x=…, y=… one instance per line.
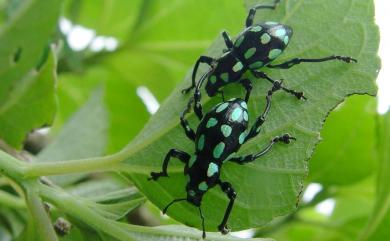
x=43, y=58
x=17, y=55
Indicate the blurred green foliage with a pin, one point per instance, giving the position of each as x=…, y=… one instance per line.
x=90, y=100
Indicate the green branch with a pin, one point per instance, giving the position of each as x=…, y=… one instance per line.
x=79, y=210
x=41, y=222
x=11, y=201
x=11, y=167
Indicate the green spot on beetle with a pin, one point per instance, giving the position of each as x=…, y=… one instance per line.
x=191, y=161
x=256, y=65
x=239, y=41
x=191, y=192
x=201, y=143
x=274, y=53
x=242, y=137
x=256, y=29
x=213, y=79
x=286, y=39
x=280, y=32
x=236, y=114
x=213, y=168
x=249, y=53
x=203, y=186
x=222, y=107
x=265, y=38
x=238, y=66
x=218, y=150
x=244, y=105
x=226, y=130
x=211, y=122
x=246, y=116
x=225, y=77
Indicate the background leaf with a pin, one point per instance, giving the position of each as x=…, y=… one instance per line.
x=85, y=135
x=377, y=227
x=156, y=55
x=26, y=96
x=347, y=152
x=279, y=176
x=110, y=18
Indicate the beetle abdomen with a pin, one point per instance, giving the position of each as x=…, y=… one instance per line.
x=260, y=44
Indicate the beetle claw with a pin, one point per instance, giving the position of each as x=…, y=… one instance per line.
x=223, y=229
x=156, y=175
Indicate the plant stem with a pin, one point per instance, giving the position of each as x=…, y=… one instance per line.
x=122, y=231
x=78, y=210
x=105, y=163
x=11, y=167
x=41, y=221
x=11, y=201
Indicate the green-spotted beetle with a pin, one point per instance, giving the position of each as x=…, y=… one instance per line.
x=254, y=48
x=219, y=135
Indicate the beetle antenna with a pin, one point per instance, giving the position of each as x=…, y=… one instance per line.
x=174, y=201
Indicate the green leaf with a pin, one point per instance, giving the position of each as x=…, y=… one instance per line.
x=27, y=98
x=346, y=153
x=110, y=197
x=378, y=225
x=113, y=18
x=84, y=135
x=269, y=187
x=119, y=98
x=353, y=204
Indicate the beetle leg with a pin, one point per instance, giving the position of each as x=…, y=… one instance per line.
x=173, y=201
x=252, y=11
x=228, y=189
x=290, y=63
x=260, y=74
x=228, y=40
x=260, y=120
x=286, y=138
x=181, y=155
x=248, y=86
x=190, y=133
x=197, y=95
x=202, y=218
x=202, y=59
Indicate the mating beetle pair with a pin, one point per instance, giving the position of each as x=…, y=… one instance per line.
x=219, y=135
x=223, y=130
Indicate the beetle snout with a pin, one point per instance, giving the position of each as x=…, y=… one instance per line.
x=289, y=31
x=195, y=199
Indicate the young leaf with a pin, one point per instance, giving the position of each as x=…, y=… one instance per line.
x=270, y=186
x=26, y=96
x=119, y=98
x=84, y=135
